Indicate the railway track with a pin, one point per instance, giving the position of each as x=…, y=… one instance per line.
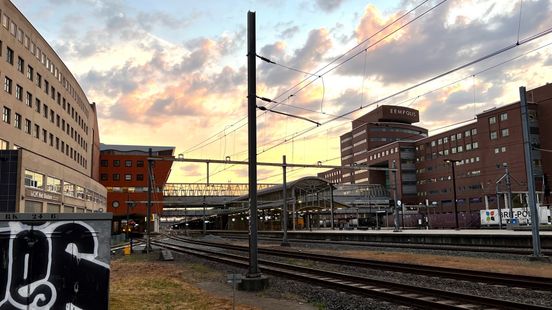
x=511, y=280
x=417, y=246
x=414, y=296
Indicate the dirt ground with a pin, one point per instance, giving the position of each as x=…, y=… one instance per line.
x=185, y=285
x=142, y=281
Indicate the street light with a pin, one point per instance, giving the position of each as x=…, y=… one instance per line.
x=453, y=163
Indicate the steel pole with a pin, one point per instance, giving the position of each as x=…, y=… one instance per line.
x=509, y=186
x=284, y=204
x=332, y=207
x=252, y=144
x=148, y=208
x=453, y=163
x=529, y=170
x=396, y=218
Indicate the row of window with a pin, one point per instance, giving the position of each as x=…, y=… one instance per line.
x=35, y=51
x=35, y=130
x=54, y=118
x=453, y=137
x=502, y=116
x=117, y=177
x=117, y=163
x=54, y=185
x=49, y=90
x=493, y=135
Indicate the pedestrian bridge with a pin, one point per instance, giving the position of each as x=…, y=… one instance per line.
x=192, y=200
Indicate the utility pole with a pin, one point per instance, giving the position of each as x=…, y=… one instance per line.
x=453, y=163
x=254, y=280
x=284, y=220
x=204, y=223
x=531, y=198
x=148, y=209
x=509, y=187
x=396, y=206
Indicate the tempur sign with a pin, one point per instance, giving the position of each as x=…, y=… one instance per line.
x=408, y=113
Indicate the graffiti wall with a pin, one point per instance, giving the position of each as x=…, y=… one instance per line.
x=54, y=261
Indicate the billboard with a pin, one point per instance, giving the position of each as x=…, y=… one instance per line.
x=523, y=216
x=54, y=260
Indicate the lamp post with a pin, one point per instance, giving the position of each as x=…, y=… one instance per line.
x=453, y=163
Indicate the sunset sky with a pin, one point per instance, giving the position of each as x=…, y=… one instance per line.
x=174, y=73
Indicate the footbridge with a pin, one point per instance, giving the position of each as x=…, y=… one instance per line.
x=309, y=194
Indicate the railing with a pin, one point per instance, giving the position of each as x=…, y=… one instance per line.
x=211, y=189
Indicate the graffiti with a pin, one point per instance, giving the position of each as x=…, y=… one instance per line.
x=51, y=265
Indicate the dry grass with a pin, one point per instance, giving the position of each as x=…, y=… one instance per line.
x=142, y=282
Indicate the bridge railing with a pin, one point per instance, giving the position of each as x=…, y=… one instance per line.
x=211, y=189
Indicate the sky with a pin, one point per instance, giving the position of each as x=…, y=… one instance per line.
x=174, y=73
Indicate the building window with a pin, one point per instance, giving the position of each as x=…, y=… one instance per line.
x=128, y=177
x=29, y=99
x=492, y=120
x=104, y=163
x=9, y=56
x=139, y=177
x=468, y=146
x=460, y=148
x=497, y=150
x=36, y=131
x=53, y=185
x=19, y=92
x=17, y=121
x=140, y=163
x=493, y=135
x=505, y=132
x=475, y=145
x=33, y=179
x=44, y=135
x=6, y=115
x=20, y=64
x=39, y=80
x=503, y=116
x=7, y=85
x=128, y=163
x=503, y=149
x=432, y=143
x=474, y=131
x=445, y=140
x=30, y=73
x=37, y=105
x=116, y=163
x=103, y=176
x=458, y=136
x=116, y=177
x=4, y=145
x=453, y=138
x=28, y=126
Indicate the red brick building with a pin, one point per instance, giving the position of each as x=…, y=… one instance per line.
x=481, y=149
x=124, y=172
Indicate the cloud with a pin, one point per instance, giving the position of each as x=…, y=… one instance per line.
x=305, y=58
x=433, y=44
x=328, y=5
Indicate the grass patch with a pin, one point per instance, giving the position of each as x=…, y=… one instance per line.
x=141, y=281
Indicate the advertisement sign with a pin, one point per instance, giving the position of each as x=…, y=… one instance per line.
x=522, y=215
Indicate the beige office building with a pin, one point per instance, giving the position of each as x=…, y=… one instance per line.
x=49, y=141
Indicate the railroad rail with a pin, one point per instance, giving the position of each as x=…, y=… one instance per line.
x=425, y=298
x=417, y=246
x=540, y=283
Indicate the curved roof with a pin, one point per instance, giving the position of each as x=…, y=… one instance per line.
x=312, y=183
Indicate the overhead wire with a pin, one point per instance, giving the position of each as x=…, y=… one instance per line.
x=296, y=134
x=201, y=144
